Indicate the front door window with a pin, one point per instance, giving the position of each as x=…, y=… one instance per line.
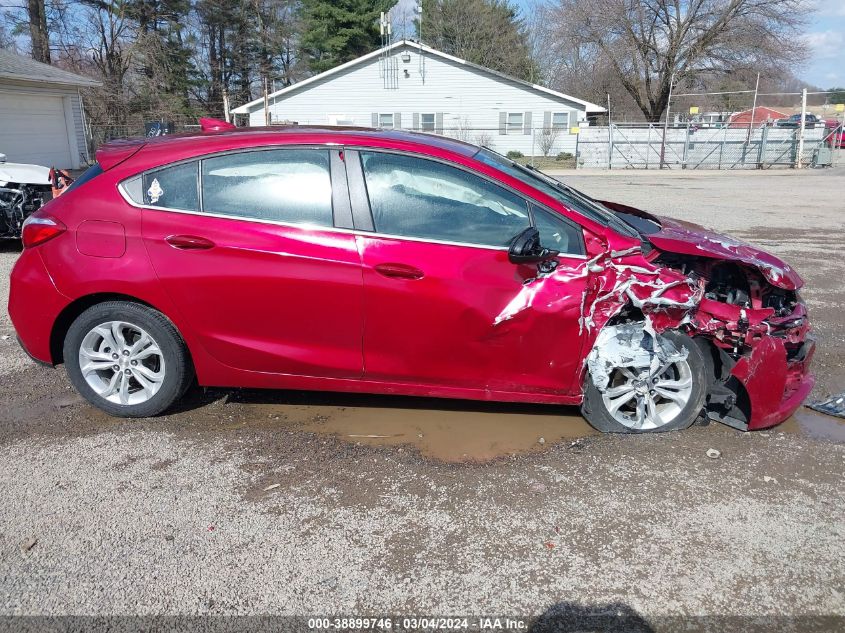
x=420, y=198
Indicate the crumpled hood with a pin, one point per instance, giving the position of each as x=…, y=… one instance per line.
x=687, y=238
x=24, y=174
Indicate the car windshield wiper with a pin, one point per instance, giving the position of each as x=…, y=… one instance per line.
x=617, y=222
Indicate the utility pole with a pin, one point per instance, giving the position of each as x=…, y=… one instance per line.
x=267, y=119
x=666, y=122
x=609, y=136
x=753, y=109
x=799, y=159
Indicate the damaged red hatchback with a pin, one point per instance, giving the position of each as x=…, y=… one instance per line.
x=395, y=262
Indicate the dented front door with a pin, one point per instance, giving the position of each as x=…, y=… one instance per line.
x=465, y=317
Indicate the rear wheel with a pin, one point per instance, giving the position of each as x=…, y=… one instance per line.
x=649, y=394
x=127, y=359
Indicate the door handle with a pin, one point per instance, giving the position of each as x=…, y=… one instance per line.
x=189, y=242
x=399, y=271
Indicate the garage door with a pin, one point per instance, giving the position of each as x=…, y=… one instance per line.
x=33, y=130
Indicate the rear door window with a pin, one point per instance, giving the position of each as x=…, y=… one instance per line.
x=282, y=185
x=173, y=187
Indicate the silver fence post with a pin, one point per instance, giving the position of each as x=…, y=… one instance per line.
x=686, y=147
x=799, y=159
x=533, y=133
x=761, y=154
x=648, y=145
x=577, y=147
x=609, y=145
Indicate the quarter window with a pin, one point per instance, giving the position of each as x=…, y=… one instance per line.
x=172, y=187
x=557, y=233
x=421, y=198
x=286, y=185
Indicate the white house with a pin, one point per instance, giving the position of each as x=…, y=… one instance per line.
x=41, y=116
x=412, y=86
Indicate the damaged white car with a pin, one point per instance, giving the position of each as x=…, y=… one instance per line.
x=23, y=190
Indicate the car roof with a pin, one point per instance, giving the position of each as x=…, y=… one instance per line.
x=114, y=152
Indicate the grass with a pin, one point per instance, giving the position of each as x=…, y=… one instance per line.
x=546, y=163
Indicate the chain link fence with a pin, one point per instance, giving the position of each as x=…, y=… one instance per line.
x=735, y=146
x=619, y=145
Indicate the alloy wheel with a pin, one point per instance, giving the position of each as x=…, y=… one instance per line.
x=642, y=399
x=122, y=363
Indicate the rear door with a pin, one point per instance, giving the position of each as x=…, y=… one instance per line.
x=444, y=305
x=246, y=246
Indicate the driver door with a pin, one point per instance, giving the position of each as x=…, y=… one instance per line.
x=443, y=304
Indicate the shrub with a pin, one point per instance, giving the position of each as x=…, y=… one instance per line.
x=515, y=154
x=564, y=156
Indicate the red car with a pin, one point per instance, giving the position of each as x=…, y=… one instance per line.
x=394, y=262
x=835, y=133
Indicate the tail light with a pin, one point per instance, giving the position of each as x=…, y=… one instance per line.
x=38, y=229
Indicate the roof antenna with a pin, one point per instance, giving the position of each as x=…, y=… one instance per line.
x=419, y=11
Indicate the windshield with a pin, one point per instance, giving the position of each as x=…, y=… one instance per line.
x=571, y=198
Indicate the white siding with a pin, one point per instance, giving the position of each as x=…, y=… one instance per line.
x=75, y=139
x=469, y=100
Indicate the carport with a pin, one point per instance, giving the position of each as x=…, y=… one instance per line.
x=41, y=113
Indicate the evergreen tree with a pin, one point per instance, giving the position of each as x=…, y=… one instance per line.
x=337, y=31
x=485, y=32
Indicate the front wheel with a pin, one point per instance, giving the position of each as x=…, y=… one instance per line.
x=660, y=383
x=127, y=359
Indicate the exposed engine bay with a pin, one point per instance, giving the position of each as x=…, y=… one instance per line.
x=750, y=324
x=24, y=189
x=17, y=202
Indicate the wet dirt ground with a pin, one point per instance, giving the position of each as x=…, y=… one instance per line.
x=246, y=502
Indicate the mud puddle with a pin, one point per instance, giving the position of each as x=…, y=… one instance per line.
x=450, y=431
x=815, y=425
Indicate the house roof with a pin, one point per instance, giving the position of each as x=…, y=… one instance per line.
x=247, y=107
x=759, y=111
x=20, y=68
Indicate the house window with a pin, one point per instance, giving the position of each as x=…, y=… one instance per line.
x=427, y=123
x=560, y=120
x=515, y=120
x=385, y=121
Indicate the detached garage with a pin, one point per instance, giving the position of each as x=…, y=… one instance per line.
x=41, y=117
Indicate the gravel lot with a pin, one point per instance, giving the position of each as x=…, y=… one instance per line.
x=461, y=509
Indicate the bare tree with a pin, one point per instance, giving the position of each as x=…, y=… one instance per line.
x=548, y=136
x=646, y=46
x=38, y=34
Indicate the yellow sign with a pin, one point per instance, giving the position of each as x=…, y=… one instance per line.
x=693, y=109
x=574, y=130
x=840, y=107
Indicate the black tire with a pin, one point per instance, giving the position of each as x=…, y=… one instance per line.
x=595, y=412
x=179, y=372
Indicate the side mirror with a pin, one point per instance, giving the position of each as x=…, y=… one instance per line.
x=525, y=248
